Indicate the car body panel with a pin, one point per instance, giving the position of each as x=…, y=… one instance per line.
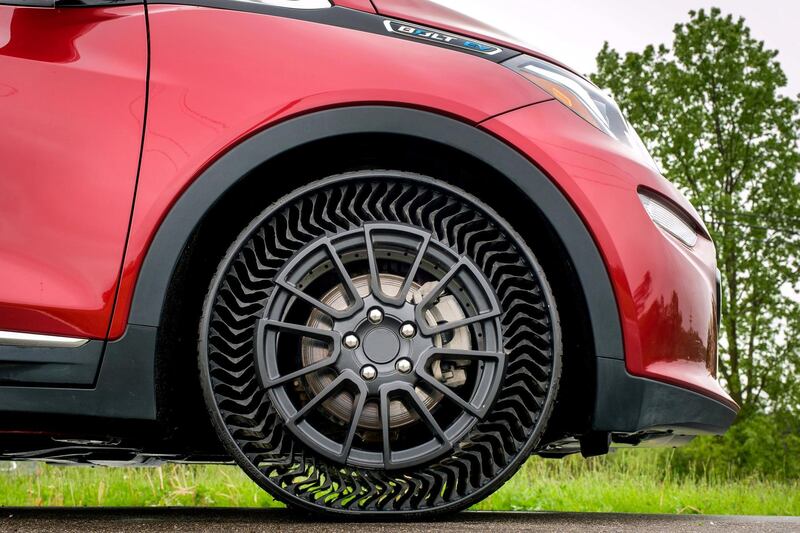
x=275, y=77
x=665, y=290
x=72, y=102
x=221, y=81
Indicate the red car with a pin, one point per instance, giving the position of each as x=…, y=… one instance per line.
x=375, y=253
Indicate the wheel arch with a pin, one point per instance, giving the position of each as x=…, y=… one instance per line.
x=166, y=248
x=387, y=126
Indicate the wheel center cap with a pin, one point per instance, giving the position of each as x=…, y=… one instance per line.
x=381, y=345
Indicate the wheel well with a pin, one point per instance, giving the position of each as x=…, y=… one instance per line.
x=178, y=392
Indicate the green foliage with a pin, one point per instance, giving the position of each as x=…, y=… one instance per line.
x=759, y=447
x=710, y=110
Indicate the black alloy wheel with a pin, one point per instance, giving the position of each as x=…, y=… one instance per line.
x=380, y=342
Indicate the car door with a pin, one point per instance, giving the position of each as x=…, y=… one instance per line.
x=72, y=105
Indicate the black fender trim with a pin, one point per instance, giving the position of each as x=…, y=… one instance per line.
x=173, y=235
x=124, y=387
x=40, y=365
x=631, y=404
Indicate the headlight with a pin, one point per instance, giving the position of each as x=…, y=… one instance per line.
x=669, y=220
x=582, y=97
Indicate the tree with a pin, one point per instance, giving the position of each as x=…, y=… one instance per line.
x=709, y=107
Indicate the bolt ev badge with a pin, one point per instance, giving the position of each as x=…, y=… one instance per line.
x=436, y=36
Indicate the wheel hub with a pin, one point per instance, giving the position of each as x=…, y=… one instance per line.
x=378, y=346
x=381, y=345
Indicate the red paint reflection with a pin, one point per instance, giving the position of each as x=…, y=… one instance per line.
x=667, y=337
x=50, y=35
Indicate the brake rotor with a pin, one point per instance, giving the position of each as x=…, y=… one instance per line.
x=340, y=406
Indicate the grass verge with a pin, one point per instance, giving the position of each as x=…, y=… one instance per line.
x=637, y=481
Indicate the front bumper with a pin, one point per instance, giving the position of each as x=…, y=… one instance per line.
x=666, y=292
x=628, y=404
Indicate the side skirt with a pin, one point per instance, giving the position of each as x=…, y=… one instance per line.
x=65, y=381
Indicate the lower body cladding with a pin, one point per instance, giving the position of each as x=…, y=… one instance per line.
x=642, y=392
x=628, y=410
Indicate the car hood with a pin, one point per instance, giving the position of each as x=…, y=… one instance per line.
x=430, y=13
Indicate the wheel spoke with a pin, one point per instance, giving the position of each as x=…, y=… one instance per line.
x=323, y=395
x=355, y=303
x=374, y=274
x=306, y=331
x=402, y=294
x=455, y=324
x=449, y=393
x=268, y=327
x=500, y=357
x=422, y=372
x=274, y=382
x=355, y=300
x=358, y=407
x=427, y=329
x=384, y=416
x=440, y=286
x=424, y=413
x=328, y=310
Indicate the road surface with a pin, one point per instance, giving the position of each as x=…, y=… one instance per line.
x=163, y=520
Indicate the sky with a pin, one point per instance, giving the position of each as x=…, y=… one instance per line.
x=573, y=31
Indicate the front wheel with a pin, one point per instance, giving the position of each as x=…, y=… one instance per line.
x=380, y=343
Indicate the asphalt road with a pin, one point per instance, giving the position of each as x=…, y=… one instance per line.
x=240, y=520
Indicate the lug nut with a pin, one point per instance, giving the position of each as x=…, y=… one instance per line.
x=351, y=341
x=403, y=366
x=368, y=372
x=408, y=330
x=375, y=315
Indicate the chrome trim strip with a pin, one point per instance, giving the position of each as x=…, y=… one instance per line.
x=293, y=4
x=14, y=338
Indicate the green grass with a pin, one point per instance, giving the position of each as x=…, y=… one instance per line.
x=637, y=481
x=631, y=481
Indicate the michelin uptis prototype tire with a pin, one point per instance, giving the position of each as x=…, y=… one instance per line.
x=380, y=343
